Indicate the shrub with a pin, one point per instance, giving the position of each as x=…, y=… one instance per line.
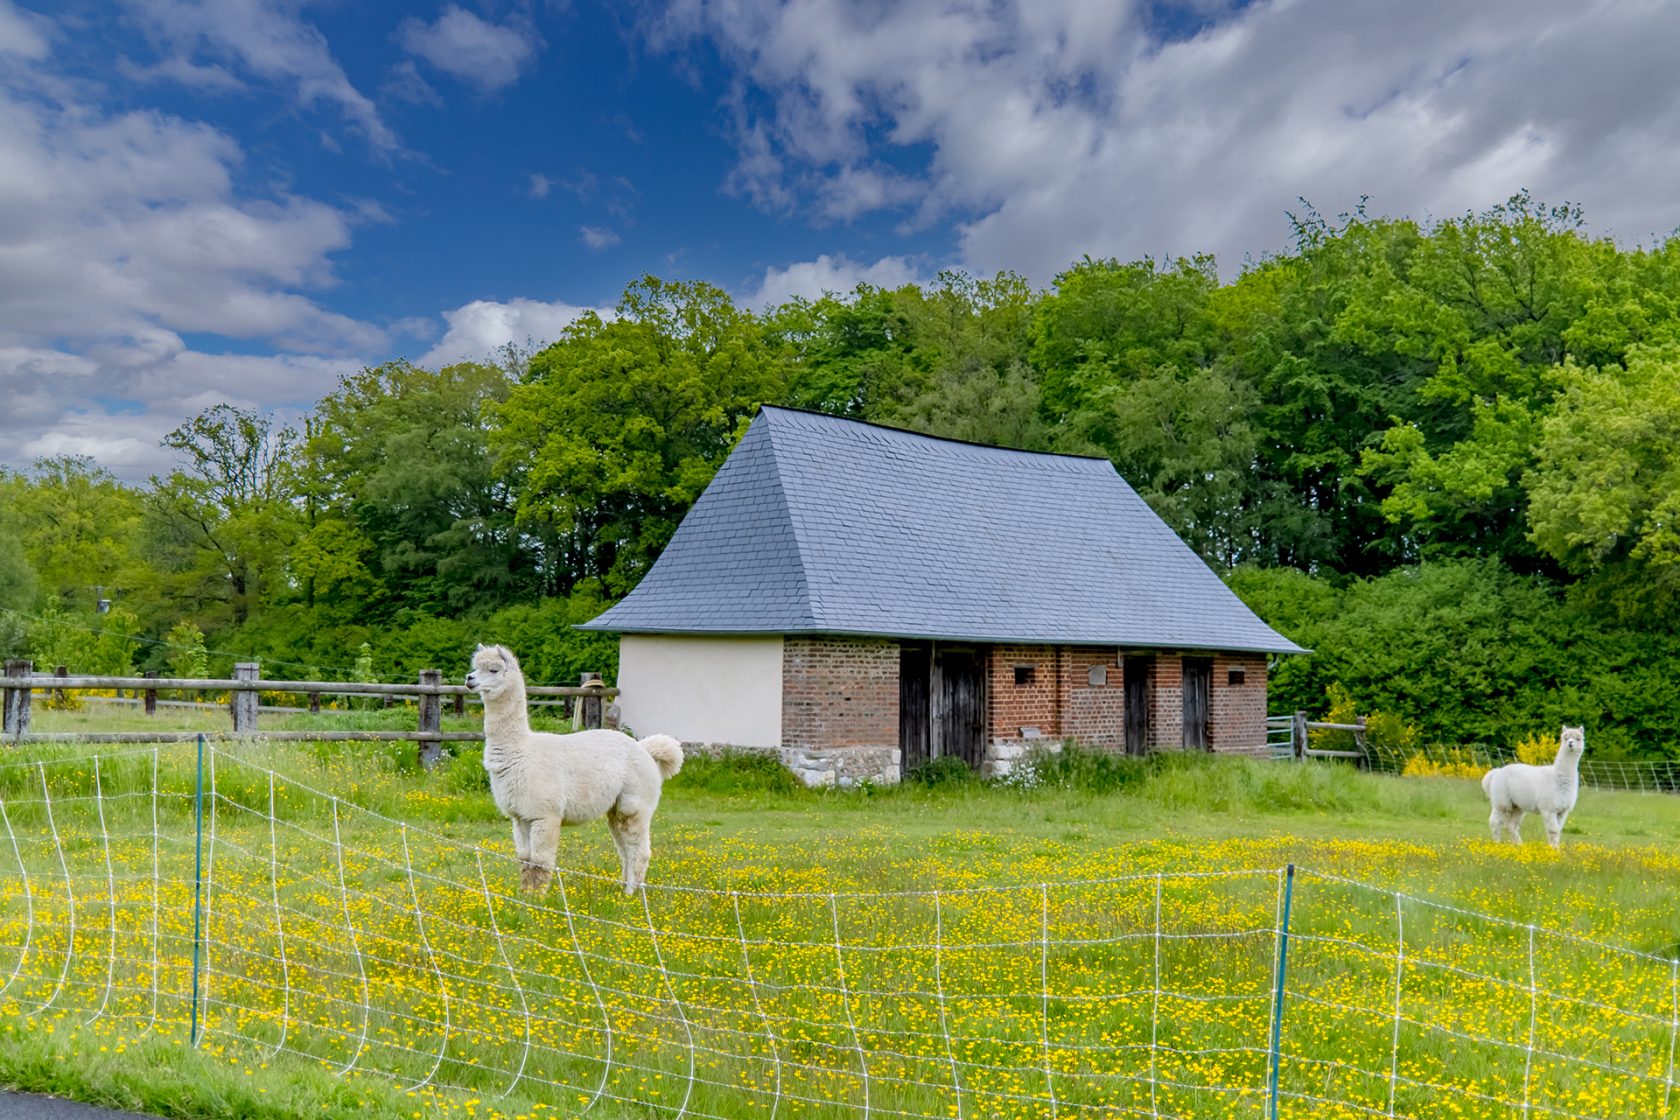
x=1538, y=749
x=947, y=770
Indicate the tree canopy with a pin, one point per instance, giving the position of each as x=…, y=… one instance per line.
x=1443, y=455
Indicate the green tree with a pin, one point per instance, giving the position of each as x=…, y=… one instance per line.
x=226, y=518
x=77, y=526
x=1605, y=486
x=622, y=423
x=408, y=511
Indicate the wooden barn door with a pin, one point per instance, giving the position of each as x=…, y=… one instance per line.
x=1198, y=689
x=915, y=677
x=1137, y=671
x=959, y=703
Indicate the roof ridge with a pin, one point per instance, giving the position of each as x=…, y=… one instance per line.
x=851, y=420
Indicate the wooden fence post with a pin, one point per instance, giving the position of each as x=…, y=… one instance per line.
x=1298, y=735
x=16, y=720
x=151, y=695
x=1364, y=759
x=431, y=718
x=591, y=704
x=61, y=699
x=314, y=703
x=460, y=703
x=244, y=701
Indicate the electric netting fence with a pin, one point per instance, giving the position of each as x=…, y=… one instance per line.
x=1637, y=775
x=373, y=948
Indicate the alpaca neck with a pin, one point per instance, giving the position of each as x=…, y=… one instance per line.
x=505, y=723
x=1566, y=772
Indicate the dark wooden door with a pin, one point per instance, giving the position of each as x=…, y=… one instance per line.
x=1138, y=671
x=1198, y=689
x=959, y=708
x=915, y=678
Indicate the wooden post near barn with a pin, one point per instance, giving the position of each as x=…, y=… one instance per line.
x=243, y=702
x=431, y=718
x=151, y=695
x=591, y=705
x=1298, y=736
x=16, y=720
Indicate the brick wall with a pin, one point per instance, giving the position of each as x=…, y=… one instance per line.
x=1011, y=706
x=1095, y=715
x=1238, y=715
x=839, y=692
x=1166, y=703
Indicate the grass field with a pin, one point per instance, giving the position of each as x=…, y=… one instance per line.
x=1104, y=944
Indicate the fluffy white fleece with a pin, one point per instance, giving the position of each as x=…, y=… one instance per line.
x=543, y=781
x=1518, y=788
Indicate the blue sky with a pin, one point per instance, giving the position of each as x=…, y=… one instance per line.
x=242, y=200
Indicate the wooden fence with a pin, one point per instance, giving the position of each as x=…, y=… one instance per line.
x=21, y=682
x=1291, y=737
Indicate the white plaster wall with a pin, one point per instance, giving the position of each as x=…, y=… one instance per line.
x=725, y=690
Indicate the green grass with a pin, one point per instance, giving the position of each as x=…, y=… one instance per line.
x=740, y=824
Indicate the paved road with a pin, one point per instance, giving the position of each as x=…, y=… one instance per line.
x=28, y=1106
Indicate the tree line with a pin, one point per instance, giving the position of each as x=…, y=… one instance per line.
x=1442, y=455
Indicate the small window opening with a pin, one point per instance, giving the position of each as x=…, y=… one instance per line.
x=1024, y=674
x=1236, y=676
x=1098, y=675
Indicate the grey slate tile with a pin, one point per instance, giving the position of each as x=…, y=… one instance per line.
x=817, y=524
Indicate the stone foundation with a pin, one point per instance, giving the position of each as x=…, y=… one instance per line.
x=1003, y=756
x=843, y=766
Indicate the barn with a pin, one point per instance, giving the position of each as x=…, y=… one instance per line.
x=864, y=599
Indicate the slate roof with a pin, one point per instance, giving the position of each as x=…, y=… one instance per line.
x=819, y=525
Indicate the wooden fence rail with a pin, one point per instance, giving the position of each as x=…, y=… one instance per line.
x=20, y=683
x=1290, y=737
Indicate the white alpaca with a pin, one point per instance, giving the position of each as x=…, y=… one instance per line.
x=542, y=781
x=1517, y=789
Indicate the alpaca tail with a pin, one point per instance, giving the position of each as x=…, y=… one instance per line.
x=1487, y=783
x=666, y=751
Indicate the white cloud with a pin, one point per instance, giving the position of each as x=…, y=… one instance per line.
x=21, y=34
x=540, y=186
x=482, y=54
x=1053, y=128
x=272, y=42
x=597, y=238
x=119, y=234
x=839, y=275
x=480, y=328
x=182, y=71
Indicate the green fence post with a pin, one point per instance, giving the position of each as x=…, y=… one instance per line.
x=1277, y=995
x=198, y=885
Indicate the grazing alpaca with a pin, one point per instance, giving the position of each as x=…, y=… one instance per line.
x=542, y=781
x=1548, y=790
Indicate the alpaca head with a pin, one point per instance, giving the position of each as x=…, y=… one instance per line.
x=1572, y=743
x=494, y=670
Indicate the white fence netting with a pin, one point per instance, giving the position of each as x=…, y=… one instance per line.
x=366, y=946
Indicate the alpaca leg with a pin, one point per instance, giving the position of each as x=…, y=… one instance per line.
x=1554, y=827
x=539, y=868
x=642, y=855
x=1496, y=822
x=522, y=840
x=1513, y=825
x=637, y=849
x=618, y=826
